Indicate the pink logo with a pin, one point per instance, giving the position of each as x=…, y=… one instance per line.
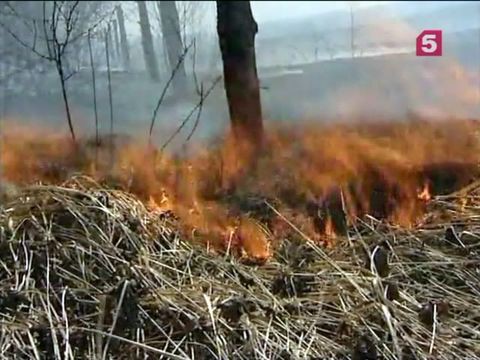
x=429, y=43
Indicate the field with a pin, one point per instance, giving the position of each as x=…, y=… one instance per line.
x=335, y=216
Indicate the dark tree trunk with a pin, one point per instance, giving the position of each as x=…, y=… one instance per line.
x=63, y=84
x=123, y=38
x=236, y=31
x=173, y=42
x=147, y=42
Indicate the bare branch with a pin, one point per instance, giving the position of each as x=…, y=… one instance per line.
x=167, y=85
x=69, y=27
x=199, y=113
x=187, y=119
x=70, y=75
x=195, y=80
x=93, y=27
x=24, y=44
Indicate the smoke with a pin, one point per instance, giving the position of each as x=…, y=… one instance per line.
x=367, y=87
x=385, y=169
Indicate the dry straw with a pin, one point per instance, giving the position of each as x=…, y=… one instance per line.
x=90, y=273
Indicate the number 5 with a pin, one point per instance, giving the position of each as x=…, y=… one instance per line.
x=429, y=43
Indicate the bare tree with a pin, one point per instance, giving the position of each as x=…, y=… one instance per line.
x=147, y=42
x=57, y=27
x=236, y=29
x=173, y=41
x=123, y=38
x=62, y=22
x=54, y=27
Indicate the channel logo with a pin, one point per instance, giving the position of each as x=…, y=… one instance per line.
x=429, y=43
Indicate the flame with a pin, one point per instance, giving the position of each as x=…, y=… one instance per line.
x=312, y=171
x=425, y=194
x=162, y=205
x=152, y=204
x=254, y=240
x=330, y=233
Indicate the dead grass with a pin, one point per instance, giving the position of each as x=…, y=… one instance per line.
x=88, y=272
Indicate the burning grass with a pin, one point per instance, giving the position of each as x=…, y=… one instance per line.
x=152, y=255
x=321, y=177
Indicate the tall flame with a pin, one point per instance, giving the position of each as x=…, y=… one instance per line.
x=378, y=167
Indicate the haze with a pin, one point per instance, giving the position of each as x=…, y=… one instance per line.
x=310, y=67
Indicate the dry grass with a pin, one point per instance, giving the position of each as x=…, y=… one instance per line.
x=87, y=272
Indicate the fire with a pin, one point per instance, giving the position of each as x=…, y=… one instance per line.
x=318, y=176
x=163, y=205
x=253, y=240
x=330, y=234
x=425, y=193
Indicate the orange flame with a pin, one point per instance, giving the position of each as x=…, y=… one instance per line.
x=377, y=167
x=330, y=234
x=425, y=193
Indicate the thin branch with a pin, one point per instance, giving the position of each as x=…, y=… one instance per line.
x=195, y=79
x=70, y=75
x=16, y=14
x=164, y=92
x=93, y=27
x=69, y=23
x=187, y=119
x=24, y=44
x=199, y=113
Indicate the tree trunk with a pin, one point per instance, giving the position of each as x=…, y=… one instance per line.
x=123, y=38
x=63, y=85
x=94, y=92
x=236, y=29
x=147, y=42
x=113, y=55
x=173, y=40
x=107, y=56
x=117, y=41
x=163, y=47
x=165, y=55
